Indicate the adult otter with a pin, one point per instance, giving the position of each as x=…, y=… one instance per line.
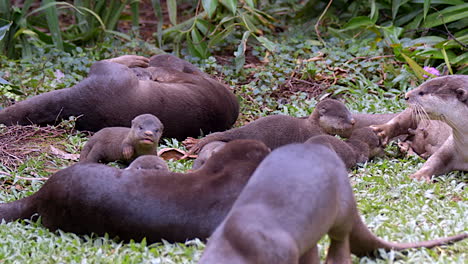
x=133, y=204
x=182, y=97
x=206, y=152
x=446, y=99
x=329, y=116
x=298, y=194
x=148, y=162
x=362, y=145
x=123, y=143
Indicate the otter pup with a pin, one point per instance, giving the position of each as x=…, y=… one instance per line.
x=329, y=116
x=426, y=139
x=206, y=152
x=148, y=162
x=298, y=194
x=362, y=145
x=133, y=204
x=445, y=99
x=123, y=143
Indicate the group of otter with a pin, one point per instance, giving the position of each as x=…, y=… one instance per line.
x=264, y=193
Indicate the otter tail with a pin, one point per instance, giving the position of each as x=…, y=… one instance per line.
x=20, y=209
x=364, y=243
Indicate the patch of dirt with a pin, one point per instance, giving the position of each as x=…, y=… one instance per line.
x=17, y=143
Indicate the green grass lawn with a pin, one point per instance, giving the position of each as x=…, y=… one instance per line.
x=394, y=207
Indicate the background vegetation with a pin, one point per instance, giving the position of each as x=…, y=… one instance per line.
x=279, y=57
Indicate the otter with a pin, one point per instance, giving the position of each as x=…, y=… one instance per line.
x=362, y=145
x=132, y=204
x=445, y=99
x=329, y=116
x=186, y=100
x=148, y=162
x=206, y=152
x=123, y=143
x=426, y=139
x=298, y=194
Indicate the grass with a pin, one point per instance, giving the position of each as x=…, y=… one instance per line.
x=394, y=207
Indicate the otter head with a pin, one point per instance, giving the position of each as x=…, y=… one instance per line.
x=149, y=162
x=237, y=152
x=146, y=131
x=206, y=152
x=333, y=117
x=368, y=136
x=443, y=98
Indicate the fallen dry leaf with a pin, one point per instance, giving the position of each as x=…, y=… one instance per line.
x=64, y=155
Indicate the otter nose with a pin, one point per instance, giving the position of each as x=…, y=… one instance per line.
x=353, y=121
x=148, y=133
x=406, y=96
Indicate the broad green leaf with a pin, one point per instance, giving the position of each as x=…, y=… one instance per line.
x=230, y=4
x=4, y=29
x=266, y=43
x=249, y=23
x=3, y=81
x=159, y=15
x=210, y=6
x=395, y=6
x=445, y=2
x=429, y=40
x=53, y=23
x=460, y=60
x=239, y=59
x=427, y=4
x=446, y=16
x=418, y=70
x=199, y=43
x=447, y=61
x=250, y=3
x=356, y=22
x=392, y=34
x=172, y=9
x=204, y=26
x=217, y=38
x=374, y=14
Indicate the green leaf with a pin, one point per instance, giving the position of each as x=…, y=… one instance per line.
x=446, y=16
x=418, y=70
x=210, y=6
x=395, y=6
x=3, y=81
x=199, y=44
x=172, y=9
x=159, y=15
x=250, y=3
x=266, y=43
x=204, y=26
x=239, y=59
x=356, y=22
x=217, y=38
x=447, y=61
x=427, y=4
x=53, y=22
x=231, y=5
x=4, y=30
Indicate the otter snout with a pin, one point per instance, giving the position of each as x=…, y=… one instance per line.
x=148, y=133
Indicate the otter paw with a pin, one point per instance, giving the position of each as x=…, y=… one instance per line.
x=131, y=61
x=421, y=176
x=190, y=142
x=382, y=131
x=127, y=152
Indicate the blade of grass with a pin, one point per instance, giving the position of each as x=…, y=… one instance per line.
x=53, y=22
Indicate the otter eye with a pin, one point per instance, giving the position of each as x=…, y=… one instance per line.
x=421, y=93
x=140, y=127
x=156, y=130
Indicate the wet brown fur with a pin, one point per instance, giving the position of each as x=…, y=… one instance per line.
x=264, y=225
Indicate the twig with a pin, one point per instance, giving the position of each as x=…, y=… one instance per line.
x=318, y=23
x=31, y=179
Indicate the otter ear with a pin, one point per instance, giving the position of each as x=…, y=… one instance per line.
x=322, y=111
x=462, y=94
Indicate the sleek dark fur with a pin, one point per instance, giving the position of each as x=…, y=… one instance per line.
x=184, y=99
x=297, y=195
x=133, y=204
